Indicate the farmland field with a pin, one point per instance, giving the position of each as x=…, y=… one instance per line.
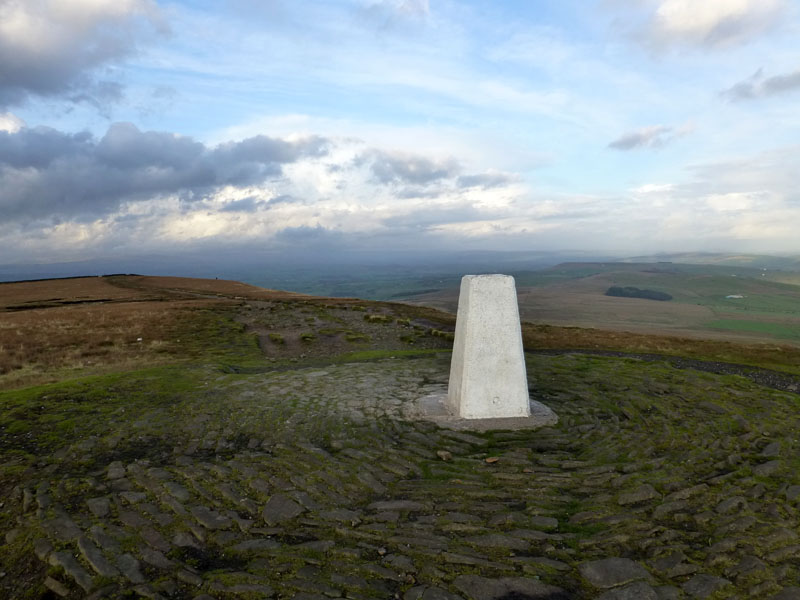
x=709, y=301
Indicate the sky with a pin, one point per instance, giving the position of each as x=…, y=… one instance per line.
x=612, y=126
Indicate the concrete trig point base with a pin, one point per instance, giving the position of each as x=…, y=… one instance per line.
x=488, y=383
x=487, y=373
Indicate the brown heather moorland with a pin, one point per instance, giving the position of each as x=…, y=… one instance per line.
x=52, y=329
x=59, y=328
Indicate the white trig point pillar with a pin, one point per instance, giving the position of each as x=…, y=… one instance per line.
x=487, y=373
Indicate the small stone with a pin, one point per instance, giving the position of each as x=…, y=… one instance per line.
x=784, y=553
x=667, y=508
x=255, y=545
x=210, y=519
x=106, y=542
x=792, y=492
x=281, y=508
x=177, y=490
x=787, y=593
x=155, y=558
x=343, y=515
x=748, y=564
x=95, y=558
x=116, y=470
x=12, y=534
x=145, y=591
x=744, y=424
x=779, y=536
x=643, y=493
x=72, y=568
x=444, y=455
x=99, y=507
x=42, y=548
x=772, y=449
x=190, y=578
x=185, y=540
x=735, y=503
x=638, y=590
x=704, y=585
x=130, y=568
x=155, y=539
x=484, y=588
x=436, y=593
x=133, y=497
x=397, y=505
x=62, y=528
x=56, y=587
x=133, y=519
x=498, y=540
x=668, y=592
x=767, y=469
x=544, y=523
x=611, y=572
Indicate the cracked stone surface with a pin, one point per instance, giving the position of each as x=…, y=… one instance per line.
x=312, y=483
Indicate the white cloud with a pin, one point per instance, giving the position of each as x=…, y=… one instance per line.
x=653, y=188
x=734, y=201
x=10, y=123
x=713, y=22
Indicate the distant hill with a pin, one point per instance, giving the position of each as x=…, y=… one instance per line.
x=755, y=261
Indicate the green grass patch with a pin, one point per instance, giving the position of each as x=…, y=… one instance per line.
x=276, y=338
x=370, y=355
x=784, y=331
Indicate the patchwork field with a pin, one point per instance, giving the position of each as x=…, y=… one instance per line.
x=710, y=302
x=260, y=444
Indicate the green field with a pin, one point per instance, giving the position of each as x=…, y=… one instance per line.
x=784, y=331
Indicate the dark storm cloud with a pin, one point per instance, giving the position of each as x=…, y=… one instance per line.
x=54, y=49
x=257, y=158
x=395, y=167
x=648, y=137
x=45, y=173
x=756, y=86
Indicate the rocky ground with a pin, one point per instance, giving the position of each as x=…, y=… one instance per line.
x=312, y=483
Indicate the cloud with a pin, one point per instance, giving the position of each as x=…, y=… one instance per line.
x=393, y=14
x=399, y=167
x=55, y=47
x=711, y=23
x=655, y=136
x=490, y=179
x=10, y=123
x=756, y=86
x=250, y=204
x=304, y=237
x=47, y=174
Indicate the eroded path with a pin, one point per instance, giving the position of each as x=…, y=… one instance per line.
x=657, y=483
